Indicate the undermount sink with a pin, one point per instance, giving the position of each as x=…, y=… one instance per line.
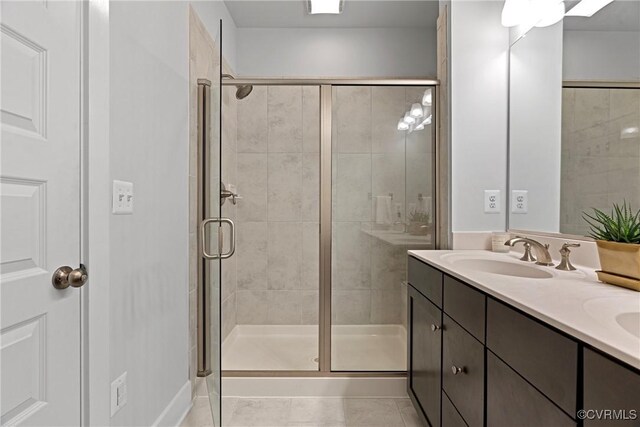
x=622, y=311
x=630, y=322
x=502, y=268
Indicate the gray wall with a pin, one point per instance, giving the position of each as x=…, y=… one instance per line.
x=149, y=250
x=601, y=55
x=479, y=76
x=336, y=52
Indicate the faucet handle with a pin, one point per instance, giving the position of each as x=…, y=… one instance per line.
x=565, y=263
x=527, y=253
x=566, y=246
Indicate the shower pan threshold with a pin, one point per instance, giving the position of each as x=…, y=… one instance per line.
x=295, y=348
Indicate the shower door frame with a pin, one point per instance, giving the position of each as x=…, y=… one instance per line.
x=326, y=188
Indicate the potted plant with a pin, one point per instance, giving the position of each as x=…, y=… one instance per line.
x=419, y=223
x=618, y=238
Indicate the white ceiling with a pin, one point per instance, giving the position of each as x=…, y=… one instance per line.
x=620, y=15
x=356, y=14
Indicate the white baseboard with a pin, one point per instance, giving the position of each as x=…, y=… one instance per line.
x=392, y=387
x=177, y=409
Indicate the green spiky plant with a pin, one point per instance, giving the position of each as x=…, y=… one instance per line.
x=622, y=225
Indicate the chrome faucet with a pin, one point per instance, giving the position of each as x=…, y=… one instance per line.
x=542, y=251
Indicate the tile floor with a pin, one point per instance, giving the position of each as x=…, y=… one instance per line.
x=305, y=412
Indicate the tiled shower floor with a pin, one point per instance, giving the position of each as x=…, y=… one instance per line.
x=353, y=348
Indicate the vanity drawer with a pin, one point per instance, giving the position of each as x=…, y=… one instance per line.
x=465, y=305
x=545, y=358
x=426, y=279
x=511, y=401
x=466, y=387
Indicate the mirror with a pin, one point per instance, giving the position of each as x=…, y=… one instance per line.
x=574, y=119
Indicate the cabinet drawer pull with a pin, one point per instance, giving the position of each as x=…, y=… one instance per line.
x=434, y=327
x=456, y=370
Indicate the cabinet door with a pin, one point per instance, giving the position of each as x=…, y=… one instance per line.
x=545, y=358
x=425, y=341
x=450, y=415
x=612, y=387
x=463, y=372
x=512, y=401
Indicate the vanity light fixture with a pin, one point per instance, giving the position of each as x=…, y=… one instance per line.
x=515, y=12
x=419, y=127
x=427, y=98
x=315, y=7
x=550, y=12
x=416, y=111
x=542, y=13
x=587, y=8
x=402, y=125
x=408, y=119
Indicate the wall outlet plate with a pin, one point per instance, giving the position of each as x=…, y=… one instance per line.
x=118, y=393
x=492, y=201
x=122, y=198
x=519, y=201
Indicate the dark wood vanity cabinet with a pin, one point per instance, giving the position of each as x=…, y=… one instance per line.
x=476, y=361
x=609, y=385
x=463, y=372
x=425, y=358
x=512, y=401
x=543, y=357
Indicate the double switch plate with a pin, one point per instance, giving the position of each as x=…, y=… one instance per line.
x=122, y=198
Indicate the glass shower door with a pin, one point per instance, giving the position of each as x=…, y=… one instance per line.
x=214, y=244
x=382, y=192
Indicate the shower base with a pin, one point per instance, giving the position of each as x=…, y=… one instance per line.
x=295, y=348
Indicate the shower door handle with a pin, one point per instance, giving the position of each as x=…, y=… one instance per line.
x=232, y=238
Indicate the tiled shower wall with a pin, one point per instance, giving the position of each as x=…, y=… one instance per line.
x=600, y=153
x=229, y=210
x=372, y=158
x=277, y=217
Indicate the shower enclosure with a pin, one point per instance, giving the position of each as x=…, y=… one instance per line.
x=328, y=183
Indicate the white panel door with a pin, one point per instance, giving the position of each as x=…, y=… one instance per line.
x=40, y=211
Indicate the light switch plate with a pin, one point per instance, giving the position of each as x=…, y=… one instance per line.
x=519, y=201
x=122, y=197
x=118, y=393
x=492, y=201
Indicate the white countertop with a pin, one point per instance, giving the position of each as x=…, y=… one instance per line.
x=575, y=302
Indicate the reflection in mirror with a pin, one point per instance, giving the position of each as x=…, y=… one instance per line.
x=574, y=119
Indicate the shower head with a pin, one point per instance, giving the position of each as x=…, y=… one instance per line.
x=242, y=91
